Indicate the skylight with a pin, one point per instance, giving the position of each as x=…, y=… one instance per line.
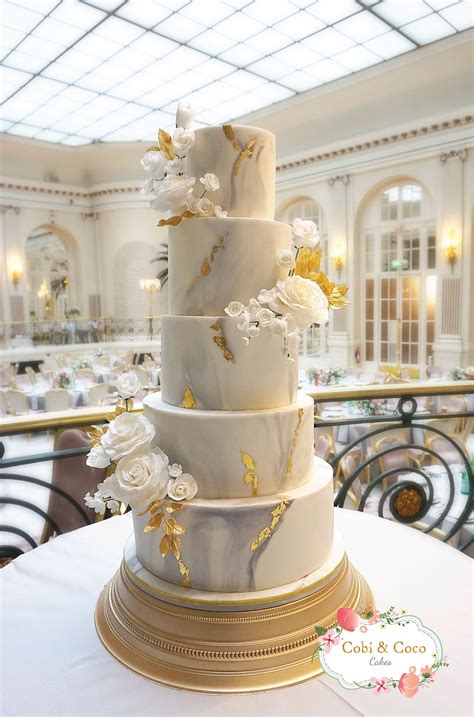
x=79, y=71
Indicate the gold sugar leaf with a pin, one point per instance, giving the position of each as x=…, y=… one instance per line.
x=154, y=148
x=171, y=222
x=308, y=262
x=172, y=527
x=229, y=132
x=188, y=399
x=166, y=144
x=177, y=506
x=153, y=523
x=178, y=529
x=248, y=461
x=216, y=326
x=154, y=507
x=165, y=545
x=95, y=434
x=175, y=545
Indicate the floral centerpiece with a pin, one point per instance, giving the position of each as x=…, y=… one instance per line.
x=64, y=380
x=137, y=474
x=297, y=302
x=174, y=190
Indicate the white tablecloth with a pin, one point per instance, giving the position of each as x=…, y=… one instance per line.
x=54, y=664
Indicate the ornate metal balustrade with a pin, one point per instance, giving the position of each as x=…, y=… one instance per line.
x=387, y=466
x=78, y=331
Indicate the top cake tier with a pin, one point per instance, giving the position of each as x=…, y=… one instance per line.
x=244, y=160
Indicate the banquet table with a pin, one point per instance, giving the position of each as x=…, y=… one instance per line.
x=54, y=664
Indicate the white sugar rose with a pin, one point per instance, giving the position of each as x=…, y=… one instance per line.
x=235, y=308
x=183, y=140
x=154, y=163
x=265, y=317
x=219, y=212
x=191, y=204
x=175, y=166
x=139, y=479
x=171, y=193
x=286, y=259
x=210, y=182
x=175, y=470
x=205, y=208
x=95, y=502
x=128, y=433
x=185, y=114
x=303, y=300
x=279, y=327
x=128, y=385
x=182, y=488
x=97, y=458
x=305, y=233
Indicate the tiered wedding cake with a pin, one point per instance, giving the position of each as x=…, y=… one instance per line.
x=221, y=592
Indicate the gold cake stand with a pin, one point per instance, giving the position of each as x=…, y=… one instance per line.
x=251, y=643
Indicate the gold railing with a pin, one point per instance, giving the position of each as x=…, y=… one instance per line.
x=56, y=420
x=389, y=390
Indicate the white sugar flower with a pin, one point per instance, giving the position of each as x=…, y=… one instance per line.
x=182, y=488
x=95, y=502
x=191, y=204
x=154, y=163
x=243, y=323
x=185, y=114
x=147, y=186
x=279, y=327
x=266, y=296
x=265, y=317
x=235, y=308
x=172, y=192
x=219, y=212
x=205, y=207
x=97, y=458
x=175, y=166
x=139, y=479
x=210, y=182
x=305, y=233
x=253, y=307
x=113, y=506
x=293, y=340
x=286, y=259
x=245, y=340
x=128, y=433
x=128, y=385
x=175, y=470
x=302, y=299
x=253, y=331
x=183, y=140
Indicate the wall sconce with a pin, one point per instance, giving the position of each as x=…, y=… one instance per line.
x=338, y=258
x=16, y=272
x=151, y=286
x=450, y=247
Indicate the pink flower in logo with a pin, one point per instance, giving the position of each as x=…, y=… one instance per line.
x=348, y=619
x=373, y=618
x=426, y=671
x=329, y=640
x=408, y=683
x=380, y=685
x=363, y=628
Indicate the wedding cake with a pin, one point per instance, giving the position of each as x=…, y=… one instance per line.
x=234, y=558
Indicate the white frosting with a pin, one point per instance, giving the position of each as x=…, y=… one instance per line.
x=216, y=545
x=243, y=262
x=251, y=191
x=257, y=376
x=209, y=445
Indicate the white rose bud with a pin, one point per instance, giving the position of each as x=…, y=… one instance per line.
x=128, y=433
x=182, y=488
x=205, y=207
x=183, y=140
x=219, y=212
x=185, y=114
x=235, y=308
x=171, y=193
x=286, y=259
x=265, y=317
x=128, y=385
x=175, y=470
x=305, y=233
x=210, y=182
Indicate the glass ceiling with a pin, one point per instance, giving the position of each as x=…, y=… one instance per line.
x=78, y=71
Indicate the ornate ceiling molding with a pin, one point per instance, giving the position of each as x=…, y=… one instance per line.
x=69, y=192
x=377, y=143
x=454, y=154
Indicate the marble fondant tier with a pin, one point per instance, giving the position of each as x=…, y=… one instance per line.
x=205, y=364
x=237, y=454
x=244, y=160
x=251, y=544
x=215, y=261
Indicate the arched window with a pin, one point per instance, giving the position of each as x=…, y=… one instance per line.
x=399, y=275
x=314, y=343
x=49, y=271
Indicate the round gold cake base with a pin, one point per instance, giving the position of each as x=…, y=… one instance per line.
x=222, y=651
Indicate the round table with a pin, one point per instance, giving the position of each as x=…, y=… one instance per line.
x=54, y=664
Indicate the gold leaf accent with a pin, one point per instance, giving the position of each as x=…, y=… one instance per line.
x=95, y=434
x=166, y=144
x=154, y=148
x=188, y=399
x=221, y=341
x=176, y=219
x=174, y=507
x=165, y=545
x=186, y=582
x=308, y=262
x=206, y=264
x=229, y=132
x=153, y=523
x=175, y=545
x=246, y=152
x=294, y=440
x=267, y=531
x=250, y=475
x=307, y=265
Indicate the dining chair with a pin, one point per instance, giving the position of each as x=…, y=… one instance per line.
x=17, y=401
x=31, y=375
x=7, y=372
x=453, y=428
x=453, y=404
x=403, y=458
x=97, y=394
x=57, y=399
x=86, y=375
x=324, y=446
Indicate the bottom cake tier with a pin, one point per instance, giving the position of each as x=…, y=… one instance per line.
x=246, y=544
